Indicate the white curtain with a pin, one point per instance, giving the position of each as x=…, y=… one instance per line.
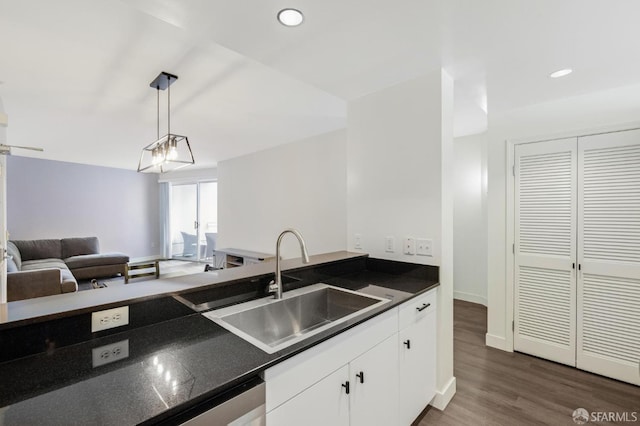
x=165, y=219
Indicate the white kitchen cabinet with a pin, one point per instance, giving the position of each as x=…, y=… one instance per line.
x=324, y=403
x=389, y=383
x=315, y=382
x=360, y=393
x=290, y=378
x=374, y=385
x=417, y=357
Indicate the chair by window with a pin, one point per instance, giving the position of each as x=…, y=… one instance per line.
x=211, y=247
x=190, y=244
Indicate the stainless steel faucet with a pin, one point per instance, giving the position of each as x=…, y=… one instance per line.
x=275, y=286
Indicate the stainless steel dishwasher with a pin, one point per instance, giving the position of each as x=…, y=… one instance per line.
x=243, y=409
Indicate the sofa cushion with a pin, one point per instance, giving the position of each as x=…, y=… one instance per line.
x=67, y=279
x=28, y=284
x=13, y=251
x=11, y=265
x=32, y=265
x=39, y=249
x=79, y=246
x=89, y=260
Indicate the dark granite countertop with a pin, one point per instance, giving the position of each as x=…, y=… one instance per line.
x=170, y=365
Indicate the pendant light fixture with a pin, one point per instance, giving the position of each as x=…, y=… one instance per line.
x=169, y=152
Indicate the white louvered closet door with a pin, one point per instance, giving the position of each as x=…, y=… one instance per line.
x=545, y=249
x=609, y=255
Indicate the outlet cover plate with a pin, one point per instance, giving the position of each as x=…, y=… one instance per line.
x=424, y=247
x=110, y=318
x=110, y=353
x=409, y=246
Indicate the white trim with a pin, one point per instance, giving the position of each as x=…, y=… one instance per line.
x=470, y=297
x=3, y=231
x=578, y=133
x=189, y=176
x=497, y=342
x=4, y=119
x=510, y=233
x=444, y=395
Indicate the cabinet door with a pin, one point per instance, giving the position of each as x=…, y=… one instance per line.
x=417, y=367
x=374, y=388
x=325, y=403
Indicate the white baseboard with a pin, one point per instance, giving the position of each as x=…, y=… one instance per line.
x=469, y=297
x=496, y=342
x=444, y=395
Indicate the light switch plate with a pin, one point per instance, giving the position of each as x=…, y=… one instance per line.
x=424, y=247
x=357, y=241
x=110, y=318
x=110, y=353
x=389, y=244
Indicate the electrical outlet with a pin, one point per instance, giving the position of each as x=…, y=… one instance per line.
x=409, y=246
x=424, y=247
x=110, y=318
x=357, y=241
x=110, y=353
x=389, y=244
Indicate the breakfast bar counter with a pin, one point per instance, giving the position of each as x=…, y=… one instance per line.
x=153, y=374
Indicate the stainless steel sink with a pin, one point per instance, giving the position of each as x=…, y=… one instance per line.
x=273, y=324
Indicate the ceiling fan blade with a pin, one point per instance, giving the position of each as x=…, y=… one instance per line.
x=32, y=148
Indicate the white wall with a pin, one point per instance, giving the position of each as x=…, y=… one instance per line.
x=56, y=199
x=394, y=169
x=571, y=116
x=389, y=174
x=300, y=185
x=470, y=218
x=399, y=183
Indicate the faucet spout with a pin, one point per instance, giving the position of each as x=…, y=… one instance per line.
x=276, y=285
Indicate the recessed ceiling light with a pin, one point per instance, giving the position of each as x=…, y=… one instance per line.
x=561, y=73
x=290, y=17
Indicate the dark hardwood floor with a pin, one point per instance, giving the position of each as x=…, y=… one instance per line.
x=502, y=388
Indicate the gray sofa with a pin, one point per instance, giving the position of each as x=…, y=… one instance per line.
x=38, y=268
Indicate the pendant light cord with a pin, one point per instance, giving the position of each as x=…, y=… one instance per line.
x=169, y=106
x=158, y=112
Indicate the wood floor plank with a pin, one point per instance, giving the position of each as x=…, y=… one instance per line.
x=505, y=389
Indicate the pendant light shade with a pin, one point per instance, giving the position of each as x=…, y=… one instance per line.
x=169, y=152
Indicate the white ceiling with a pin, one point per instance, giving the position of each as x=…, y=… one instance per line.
x=76, y=73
